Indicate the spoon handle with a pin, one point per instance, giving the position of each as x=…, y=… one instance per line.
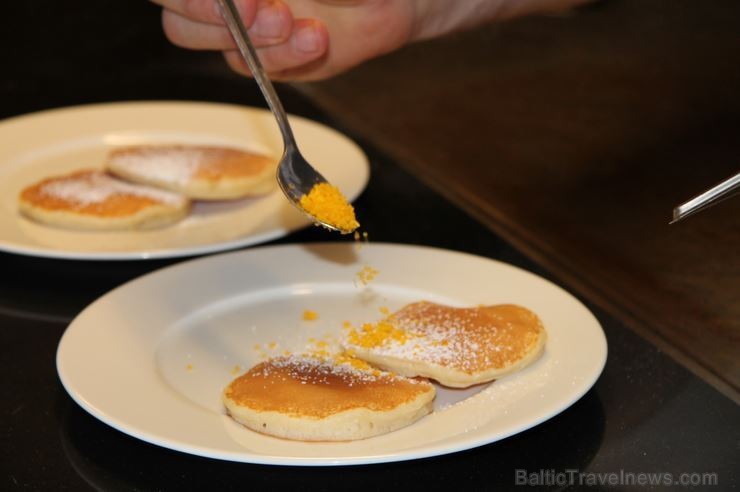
x=246, y=48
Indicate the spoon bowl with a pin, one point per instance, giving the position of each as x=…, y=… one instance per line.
x=296, y=176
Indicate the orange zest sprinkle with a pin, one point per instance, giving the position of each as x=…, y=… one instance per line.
x=376, y=335
x=354, y=362
x=367, y=274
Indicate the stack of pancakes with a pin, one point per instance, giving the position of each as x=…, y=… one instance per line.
x=147, y=186
x=381, y=382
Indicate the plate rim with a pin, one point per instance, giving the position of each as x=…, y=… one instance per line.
x=167, y=253
x=427, y=451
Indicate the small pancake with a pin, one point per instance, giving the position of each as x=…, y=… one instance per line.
x=458, y=347
x=93, y=200
x=311, y=398
x=198, y=172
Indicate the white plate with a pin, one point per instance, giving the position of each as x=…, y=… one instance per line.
x=57, y=141
x=125, y=358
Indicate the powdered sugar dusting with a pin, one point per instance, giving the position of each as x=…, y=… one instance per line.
x=311, y=369
x=94, y=187
x=171, y=164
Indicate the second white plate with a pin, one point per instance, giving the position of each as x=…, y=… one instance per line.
x=152, y=357
x=53, y=142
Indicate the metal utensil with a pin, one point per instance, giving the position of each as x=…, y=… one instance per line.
x=295, y=175
x=712, y=196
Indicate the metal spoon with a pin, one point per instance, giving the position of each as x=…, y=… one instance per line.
x=295, y=175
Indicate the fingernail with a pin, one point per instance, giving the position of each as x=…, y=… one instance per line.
x=269, y=23
x=306, y=39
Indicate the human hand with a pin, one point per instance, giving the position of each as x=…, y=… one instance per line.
x=315, y=39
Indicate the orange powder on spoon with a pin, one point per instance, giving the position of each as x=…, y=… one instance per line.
x=328, y=205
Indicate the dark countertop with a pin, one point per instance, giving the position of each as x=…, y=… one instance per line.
x=646, y=413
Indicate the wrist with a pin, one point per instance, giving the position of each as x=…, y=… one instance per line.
x=437, y=17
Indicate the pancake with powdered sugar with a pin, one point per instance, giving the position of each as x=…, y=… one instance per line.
x=198, y=172
x=93, y=200
x=310, y=398
x=458, y=347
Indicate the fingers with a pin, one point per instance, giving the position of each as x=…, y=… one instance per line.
x=295, y=58
x=285, y=46
x=270, y=24
x=207, y=10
